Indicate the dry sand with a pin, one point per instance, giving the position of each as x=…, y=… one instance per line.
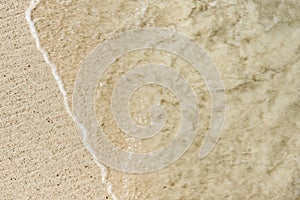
x=254, y=44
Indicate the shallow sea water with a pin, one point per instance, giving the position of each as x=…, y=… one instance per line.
x=255, y=46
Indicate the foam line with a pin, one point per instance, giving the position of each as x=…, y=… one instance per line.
x=60, y=84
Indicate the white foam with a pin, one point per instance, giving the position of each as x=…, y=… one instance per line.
x=45, y=54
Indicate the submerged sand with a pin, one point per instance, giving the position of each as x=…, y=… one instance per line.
x=255, y=46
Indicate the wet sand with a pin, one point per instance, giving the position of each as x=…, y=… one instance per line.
x=255, y=47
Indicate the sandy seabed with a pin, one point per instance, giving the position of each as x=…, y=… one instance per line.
x=256, y=48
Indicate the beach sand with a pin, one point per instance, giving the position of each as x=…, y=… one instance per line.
x=255, y=46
